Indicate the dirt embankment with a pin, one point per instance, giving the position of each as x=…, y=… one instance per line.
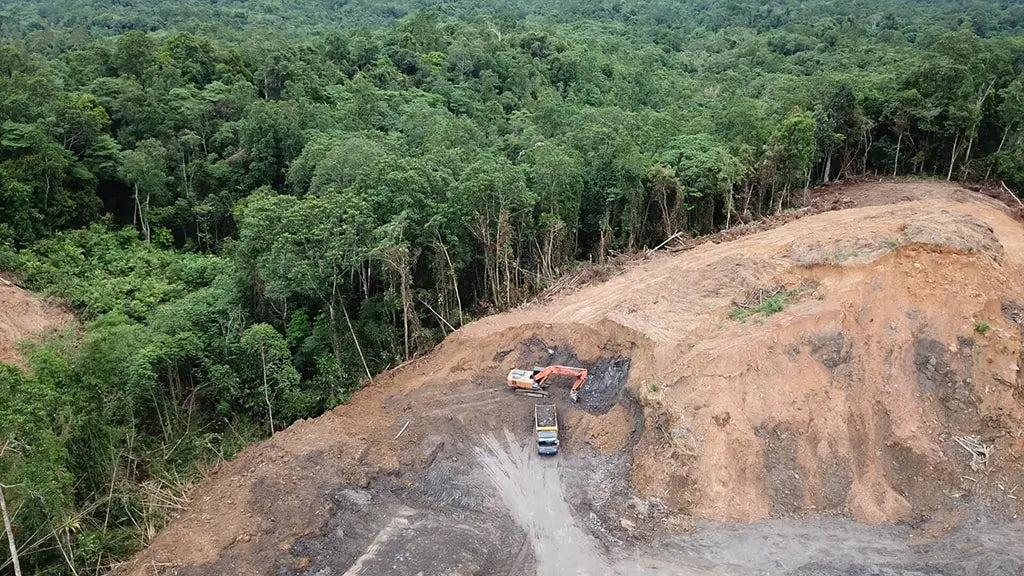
x=896, y=341
x=883, y=387
x=24, y=315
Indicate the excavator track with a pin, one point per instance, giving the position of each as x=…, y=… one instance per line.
x=533, y=393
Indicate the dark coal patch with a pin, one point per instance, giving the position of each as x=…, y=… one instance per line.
x=946, y=377
x=990, y=564
x=534, y=351
x=841, y=547
x=784, y=486
x=605, y=383
x=1014, y=312
x=831, y=349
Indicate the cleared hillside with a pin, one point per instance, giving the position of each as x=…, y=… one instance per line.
x=25, y=315
x=840, y=365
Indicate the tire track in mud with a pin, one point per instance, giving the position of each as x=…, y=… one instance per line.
x=397, y=524
x=458, y=401
x=531, y=488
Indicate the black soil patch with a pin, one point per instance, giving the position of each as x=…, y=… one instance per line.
x=1014, y=312
x=836, y=478
x=831, y=349
x=604, y=386
x=449, y=527
x=783, y=480
x=945, y=376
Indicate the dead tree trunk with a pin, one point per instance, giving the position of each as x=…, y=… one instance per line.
x=952, y=158
x=403, y=278
x=348, y=322
x=807, y=187
x=10, y=534
x=746, y=201
x=455, y=278
x=896, y=162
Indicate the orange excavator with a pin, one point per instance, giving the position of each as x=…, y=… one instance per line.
x=533, y=382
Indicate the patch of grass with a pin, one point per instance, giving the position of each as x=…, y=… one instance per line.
x=654, y=387
x=770, y=305
x=838, y=256
x=893, y=243
x=982, y=327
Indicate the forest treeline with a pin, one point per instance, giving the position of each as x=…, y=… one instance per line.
x=251, y=224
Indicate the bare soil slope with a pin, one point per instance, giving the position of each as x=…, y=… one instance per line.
x=898, y=343
x=25, y=315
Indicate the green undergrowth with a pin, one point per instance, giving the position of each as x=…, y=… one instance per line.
x=760, y=305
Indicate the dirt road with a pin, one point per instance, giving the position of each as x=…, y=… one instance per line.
x=531, y=487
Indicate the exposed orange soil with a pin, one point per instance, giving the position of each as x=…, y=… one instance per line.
x=901, y=330
x=25, y=315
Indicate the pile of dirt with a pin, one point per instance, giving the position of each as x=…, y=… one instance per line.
x=878, y=381
x=24, y=315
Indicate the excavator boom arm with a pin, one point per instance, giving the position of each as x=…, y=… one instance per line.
x=579, y=373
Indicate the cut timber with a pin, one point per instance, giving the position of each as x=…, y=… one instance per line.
x=1007, y=188
x=402, y=431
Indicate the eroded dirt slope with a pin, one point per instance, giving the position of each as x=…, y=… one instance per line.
x=898, y=340
x=25, y=315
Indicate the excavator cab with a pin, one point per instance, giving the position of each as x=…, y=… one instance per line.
x=522, y=379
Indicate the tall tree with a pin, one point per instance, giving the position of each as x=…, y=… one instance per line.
x=143, y=167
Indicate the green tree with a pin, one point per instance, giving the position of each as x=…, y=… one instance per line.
x=268, y=368
x=143, y=167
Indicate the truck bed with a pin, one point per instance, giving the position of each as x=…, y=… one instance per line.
x=545, y=416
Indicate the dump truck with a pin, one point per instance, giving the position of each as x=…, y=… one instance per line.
x=546, y=423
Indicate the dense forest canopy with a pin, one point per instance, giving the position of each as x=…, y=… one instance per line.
x=254, y=206
x=105, y=17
